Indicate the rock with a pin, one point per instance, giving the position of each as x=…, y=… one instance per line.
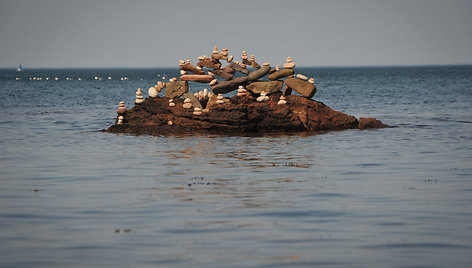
x=365, y=123
x=281, y=74
x=209, y=63
x=240, y=115
x=190, y=68
x=256, y=74
x=244, y=55
x=262, y=97
x=224, y=74
x=153, y=93
x=237, y=67
x=287, y=91
x=305, y=88
x=311, y=81
x=120, y=120
x=211, y=101
x=289, y=64
x=229, y=69
x=139, y=96
x=242, y=91
x=282, y=101
x=229, y=85
x=302, y=77
x=201, y=78
x=187, y=105
x=175, y=89
x=230, y=59
x=195, y=102
x=121, y=108
x=269, y=87
x=213, y=82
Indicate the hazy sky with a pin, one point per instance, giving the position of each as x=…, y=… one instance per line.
x=63, y=33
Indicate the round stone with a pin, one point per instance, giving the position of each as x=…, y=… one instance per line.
x=153, y=92
x=302, y=77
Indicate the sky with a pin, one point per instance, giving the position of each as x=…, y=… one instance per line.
x=106, y=33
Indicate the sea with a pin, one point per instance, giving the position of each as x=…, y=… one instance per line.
x=74, y=196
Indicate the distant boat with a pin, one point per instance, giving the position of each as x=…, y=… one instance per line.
x=20, y=68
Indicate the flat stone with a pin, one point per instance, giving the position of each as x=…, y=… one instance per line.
x=281, y=74
x=269, y=87
x=305, y=88
x=209, y=63
x=190, y=68
x=259, y=73
x=229, y=85
x=195, y=102
x=223, y=74
x=201, y=78
x=175, y=89
x=238, y=68
x=365, y=123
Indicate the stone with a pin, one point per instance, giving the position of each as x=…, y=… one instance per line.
x=224, y=52
x=244, y=55
x=209, y=63
x=269, y=87
x=211, y=101
x=182, y=72
x=190, y=68
x=200, y=78
x=187, y=105
x=197, y=111
x=305, y=88
x=170, y=123
x=139, y=96
x=213, y=82
x=224, y=74
x=289, y=64
x=229, y=69
x=282, y=101
x=259, y=73
x=230, y=59
x=121, y=108
x=161, y=84
x=171, y=104
x=365, y=123
x=192, y=99
x=287, y=91
x=175, y=89
x=237, y=67
x=242, y=91
x=281, y=74
x=229, y=85
x=262, y=97
x=153, y=93
x=311, y=81
x=120, y=120
x=302, y=77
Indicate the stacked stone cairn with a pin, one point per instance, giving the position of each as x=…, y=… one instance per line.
x=245, y=76
x=139, y=96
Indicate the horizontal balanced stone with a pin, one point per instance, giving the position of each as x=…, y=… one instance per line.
x=209, y=63
x=238, y=68
x=195, y=102
x=201, y=78
x=256, y=74
x=281, y=74
x=269, y=87
x=305, y=88
x=190, y=68
x=223, y=73
x=175, y=89
x=229, y=85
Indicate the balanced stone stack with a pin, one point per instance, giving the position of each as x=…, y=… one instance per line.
x=248, y=77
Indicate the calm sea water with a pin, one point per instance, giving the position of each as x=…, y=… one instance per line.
x=71, y=196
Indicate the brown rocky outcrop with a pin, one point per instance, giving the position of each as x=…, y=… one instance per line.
x=238, y=115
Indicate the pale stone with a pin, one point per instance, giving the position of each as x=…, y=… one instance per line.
x=182, y=72
x=120, y=120
x=311, y=81
x=170, y=123
x=187, y=100
x=302, y=77
x=219, y=97
x=197, y=112
x=193, y=100
x=219, y=102
x=281, y=102
x=230, y=59
x=266, y=64
x=153, y=92
x=224, y=52
x=214, y=82
x=187, y=105
x=181, y=62
x=171, y=104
